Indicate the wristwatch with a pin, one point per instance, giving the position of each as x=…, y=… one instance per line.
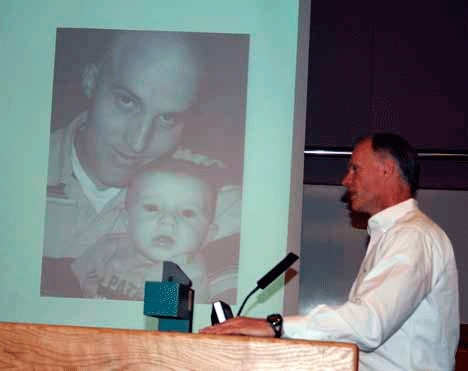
x=276, y=323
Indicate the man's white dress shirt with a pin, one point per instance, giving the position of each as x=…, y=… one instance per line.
x=402, y=310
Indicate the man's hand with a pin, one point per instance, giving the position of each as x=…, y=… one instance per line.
x=241, y=326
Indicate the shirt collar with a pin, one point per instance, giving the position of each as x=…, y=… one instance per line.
x=68, y=145
x=99, y=198
x=386, y=218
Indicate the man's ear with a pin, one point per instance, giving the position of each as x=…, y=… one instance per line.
x=89, y=79
x=390, y=168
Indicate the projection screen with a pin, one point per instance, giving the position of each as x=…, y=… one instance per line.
x=250, y=118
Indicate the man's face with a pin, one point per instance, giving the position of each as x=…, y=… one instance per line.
x=364, y=180
x=169, y=215
x=138, y=102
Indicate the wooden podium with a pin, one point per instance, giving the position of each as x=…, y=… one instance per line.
x=53, y=347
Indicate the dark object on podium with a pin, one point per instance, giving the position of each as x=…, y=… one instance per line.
x=220, y=312
x=170, y=300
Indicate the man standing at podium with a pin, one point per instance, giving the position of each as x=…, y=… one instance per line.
x=402, y=310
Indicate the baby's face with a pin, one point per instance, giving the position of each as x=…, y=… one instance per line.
x=169, y=215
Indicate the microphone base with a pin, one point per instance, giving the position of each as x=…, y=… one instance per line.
x=220, y=312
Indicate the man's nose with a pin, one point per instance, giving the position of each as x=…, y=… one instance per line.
x=140, y=133
x=346, y=179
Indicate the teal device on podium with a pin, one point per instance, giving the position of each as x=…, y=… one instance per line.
x=170, y=300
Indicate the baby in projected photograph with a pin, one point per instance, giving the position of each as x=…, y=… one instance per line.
x=170, y=211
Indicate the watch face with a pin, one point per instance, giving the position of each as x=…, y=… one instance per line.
x=276, y=322
x=274, y=319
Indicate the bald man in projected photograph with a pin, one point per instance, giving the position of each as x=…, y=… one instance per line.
x=125, y=99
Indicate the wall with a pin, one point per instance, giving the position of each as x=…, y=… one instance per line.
x=27, y=41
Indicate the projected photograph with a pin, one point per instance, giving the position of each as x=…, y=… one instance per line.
x=145, y=162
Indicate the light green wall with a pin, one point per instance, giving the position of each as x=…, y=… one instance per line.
x=27, y=42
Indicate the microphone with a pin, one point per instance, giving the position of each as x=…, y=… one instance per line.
x=276, y=271
x=224, y=310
